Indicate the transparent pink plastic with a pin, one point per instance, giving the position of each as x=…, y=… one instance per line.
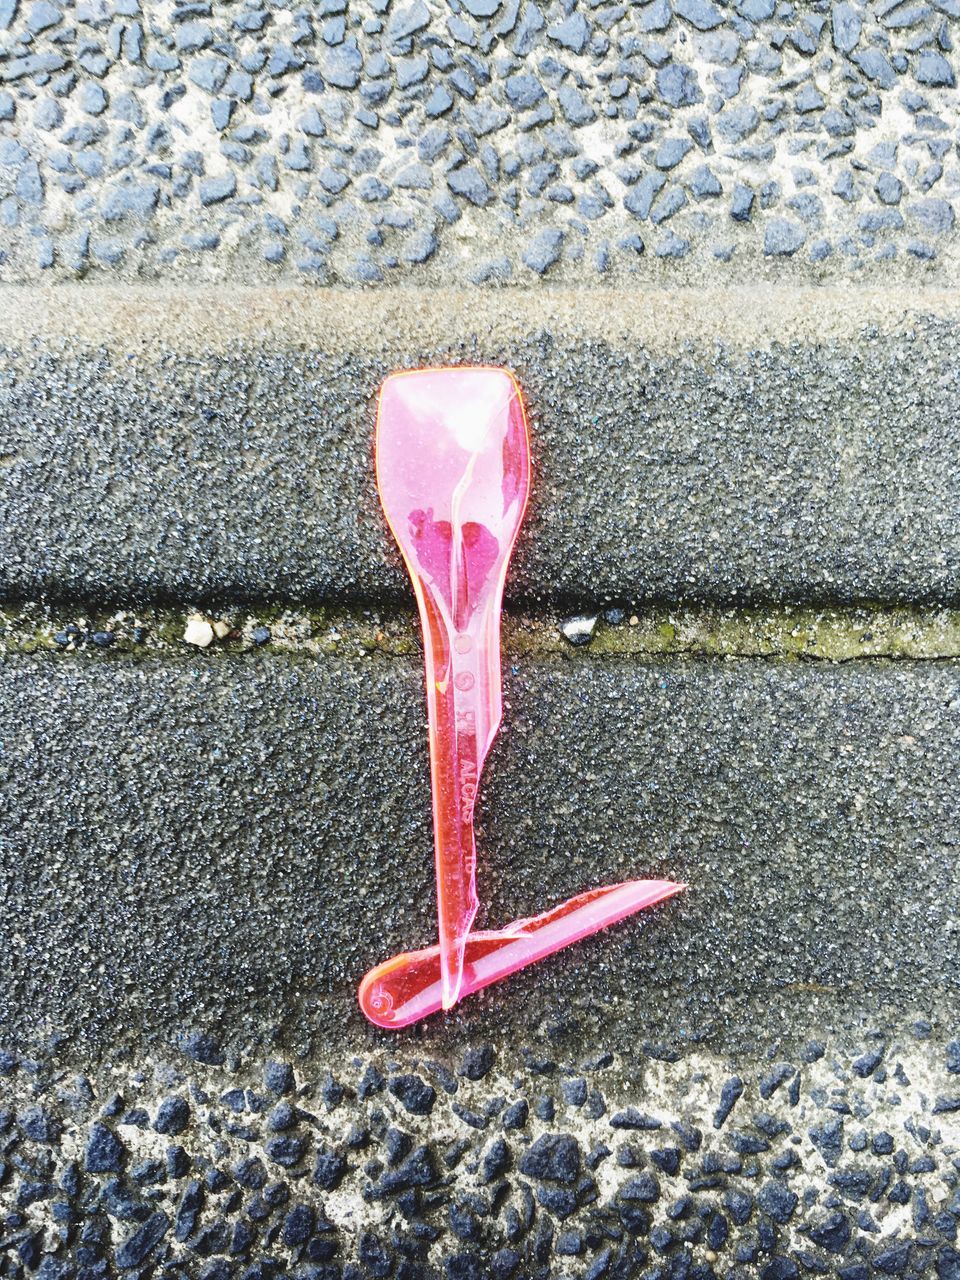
x=453, y=472
x=408, y=987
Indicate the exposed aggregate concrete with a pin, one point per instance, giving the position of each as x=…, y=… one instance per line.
x=774, y=468
x=484, y=141
x=837, y=1159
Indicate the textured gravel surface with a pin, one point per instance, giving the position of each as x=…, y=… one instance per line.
x=775, y=465
x=483, y=141
x=837, y=1160
x=233, y=841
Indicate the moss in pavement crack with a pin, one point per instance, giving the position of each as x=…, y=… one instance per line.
x=833, y=634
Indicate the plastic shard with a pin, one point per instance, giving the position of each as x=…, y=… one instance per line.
x=407, y=987
x=453, y=473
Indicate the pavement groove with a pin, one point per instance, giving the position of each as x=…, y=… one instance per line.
x=835, y=634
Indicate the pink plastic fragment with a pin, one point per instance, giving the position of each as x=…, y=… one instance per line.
x=453, y=472
x=408, y=987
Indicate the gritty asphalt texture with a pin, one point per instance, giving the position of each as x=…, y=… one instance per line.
x=232, y=841
x=486, y=1165
x=488, y=141
x=793, y=470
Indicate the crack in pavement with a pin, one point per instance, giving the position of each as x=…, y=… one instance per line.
x=831, y=633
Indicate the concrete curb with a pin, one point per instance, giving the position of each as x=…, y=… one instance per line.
x=224, y=454
x=241, y=840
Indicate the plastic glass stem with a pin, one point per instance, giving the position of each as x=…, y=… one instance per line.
x=453, y=471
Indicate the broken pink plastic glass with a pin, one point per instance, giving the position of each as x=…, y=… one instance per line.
x=453, y=471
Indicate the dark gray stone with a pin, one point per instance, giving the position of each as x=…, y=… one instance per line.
x=736, y=122
x=439, y=102
x=671, y=151
x=933, y=69
x=131, y=200
x=136, y=1248
x=553, y=1157
x=523, y=91
x=782, y=238
x=208, y=73
x=573, y=32
x=809, y=99
x=672, y=246
x=40, y=1124
x=190, y=36
x=42, y=15
x=213, y=190
x=199, y=1047
x=777, y=1201
x=407, y=21
x=889, y=189
x=875, y=67
x=730, y=1095
x=703, y=182
x=655, y=16
x=93, y=98
x=411, y=71
x=741, y=203
x=639, y=199
x=420, y=247
x=678, y=85
x=481, y=8
x=699, y=13
x=415, y=1094
x=470, y=183
x=104, y=1153
x=544, y=250
x=332, y=180
x=343, y=65
x=847, y=25
x=173, y=1116
x=934, y=215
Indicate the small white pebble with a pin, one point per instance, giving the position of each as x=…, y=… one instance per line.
x=198, y=631
x=221, y=629
x=579, y=630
